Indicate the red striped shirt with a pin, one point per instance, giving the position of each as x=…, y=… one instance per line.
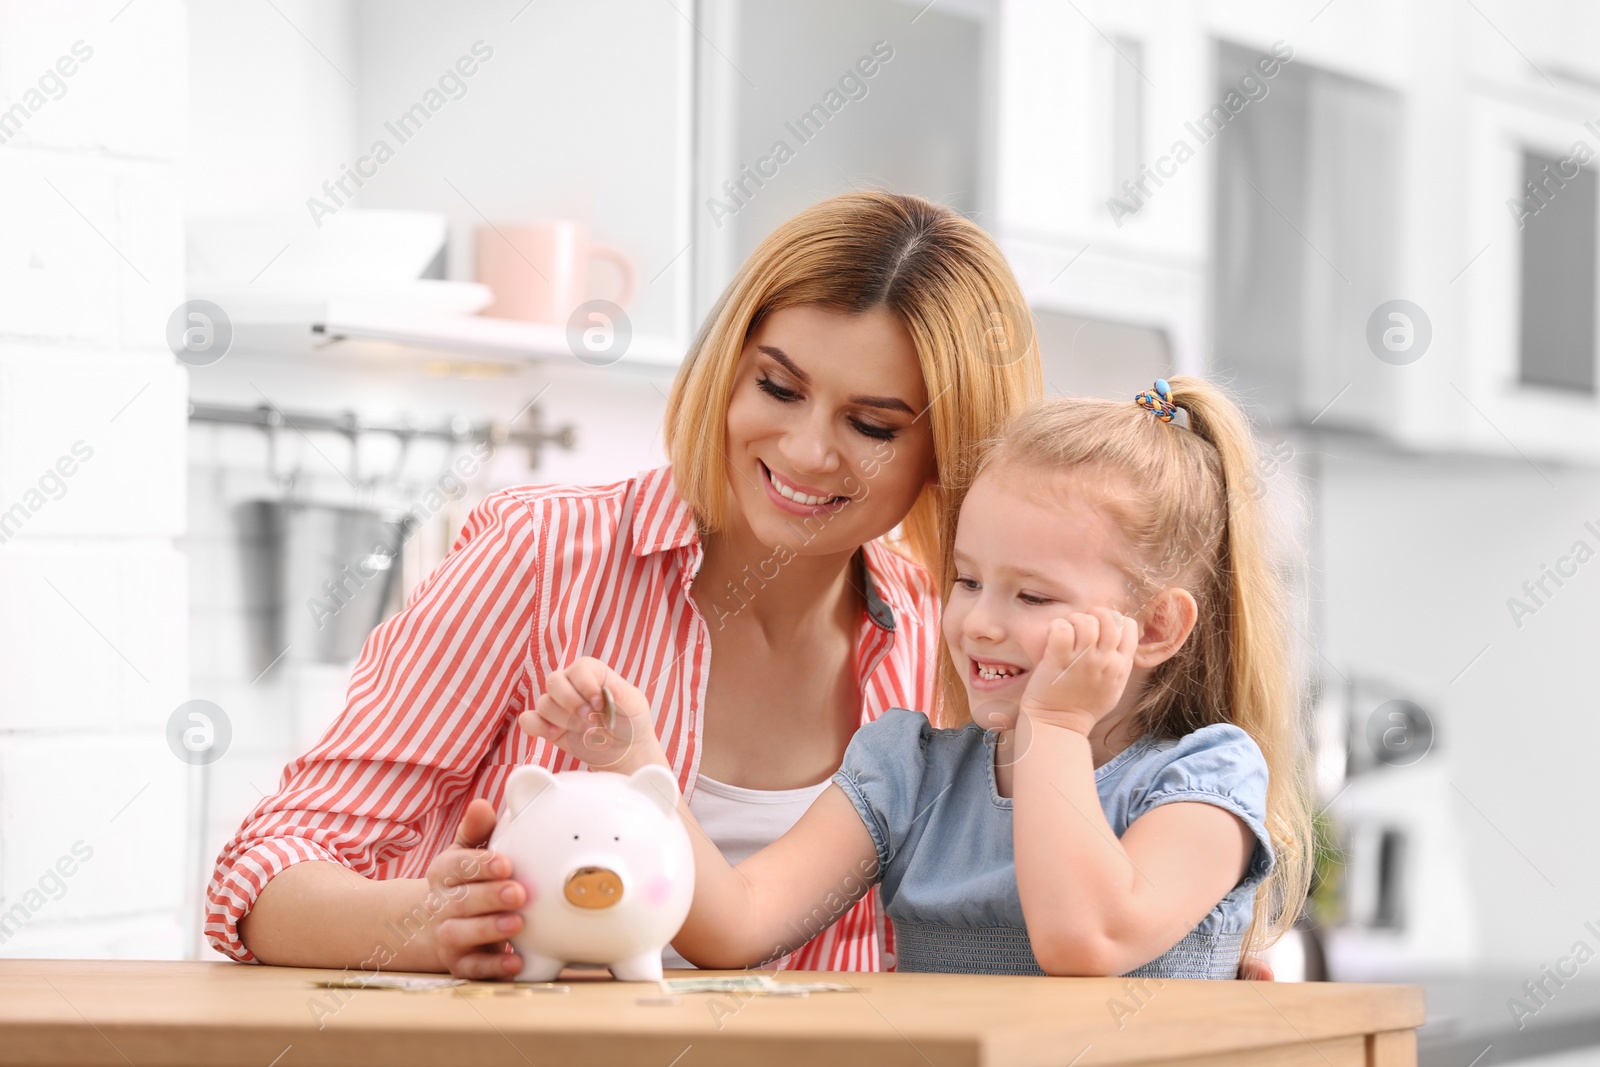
x=536, y=579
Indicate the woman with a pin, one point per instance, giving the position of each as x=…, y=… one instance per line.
x=828, y=405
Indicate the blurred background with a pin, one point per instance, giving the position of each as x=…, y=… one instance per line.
x=287, y=286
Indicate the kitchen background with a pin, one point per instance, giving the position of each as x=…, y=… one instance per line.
x=248, y=388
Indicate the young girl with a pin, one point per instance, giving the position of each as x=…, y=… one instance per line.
x=1124, y=796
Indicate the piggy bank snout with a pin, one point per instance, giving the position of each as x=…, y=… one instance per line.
x=593, y=888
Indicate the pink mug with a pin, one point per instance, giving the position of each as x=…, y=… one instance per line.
x=539, y=270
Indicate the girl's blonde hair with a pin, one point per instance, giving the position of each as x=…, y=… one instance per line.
x=947, y=282
x=1186, y=501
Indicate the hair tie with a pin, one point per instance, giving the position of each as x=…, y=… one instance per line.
x=1159, y=403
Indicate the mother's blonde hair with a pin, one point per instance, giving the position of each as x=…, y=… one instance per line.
x=1189, y=507
x=947, y=282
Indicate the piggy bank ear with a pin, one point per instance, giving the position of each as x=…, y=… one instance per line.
x=658, y=786
x=525, y=786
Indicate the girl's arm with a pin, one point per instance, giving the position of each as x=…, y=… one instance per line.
x=784, y=895
x=1095, y=905
x=770, y=904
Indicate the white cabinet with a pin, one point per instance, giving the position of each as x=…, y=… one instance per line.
x=1528, y=325
x=1092, y=97
x=799, y=100
x=1342, y=251
x=1306, y=245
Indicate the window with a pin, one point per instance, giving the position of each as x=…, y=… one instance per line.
x=1558, y=275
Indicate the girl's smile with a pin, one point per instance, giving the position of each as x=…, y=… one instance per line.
x=988, y=675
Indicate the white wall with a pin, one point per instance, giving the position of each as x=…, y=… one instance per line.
x=272, y=114
x=92, y=589
x=1420, y=557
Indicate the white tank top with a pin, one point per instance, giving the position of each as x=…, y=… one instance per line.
x=742, y=822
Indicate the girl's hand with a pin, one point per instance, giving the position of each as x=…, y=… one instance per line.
x=571, y=714
x=1085, y=668
x=469, y=932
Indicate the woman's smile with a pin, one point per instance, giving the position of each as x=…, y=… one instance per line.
x=797, y=499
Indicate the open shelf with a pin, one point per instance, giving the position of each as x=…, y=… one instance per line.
x=476, y=335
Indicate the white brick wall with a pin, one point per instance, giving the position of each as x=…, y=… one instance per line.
x=94, y=808
x=128, y=409
x=93, y=634
x=132, y=823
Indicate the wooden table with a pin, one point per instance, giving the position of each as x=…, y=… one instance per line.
x=150, y=1014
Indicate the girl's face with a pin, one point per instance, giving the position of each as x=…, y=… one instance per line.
x=1030, y=547
x=828, y=439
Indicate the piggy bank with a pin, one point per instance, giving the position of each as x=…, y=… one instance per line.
x=607, y=865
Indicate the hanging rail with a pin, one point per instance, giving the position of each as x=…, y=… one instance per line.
x=532, y=434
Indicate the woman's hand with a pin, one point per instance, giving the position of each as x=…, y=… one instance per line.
x=1085, y=668
x=1255, y=969
x=479, y=914
x=571, y=714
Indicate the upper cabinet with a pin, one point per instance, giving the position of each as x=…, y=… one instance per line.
x=1356, y=233
x=1306, y=245
x=798, y=101
x=1528, y=315
x=1103, y=224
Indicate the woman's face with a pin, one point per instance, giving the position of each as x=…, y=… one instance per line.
x=828, y=439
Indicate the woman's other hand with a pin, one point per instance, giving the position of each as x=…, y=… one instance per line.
x=571, y=714
x=1255, y=969
x=480, y=912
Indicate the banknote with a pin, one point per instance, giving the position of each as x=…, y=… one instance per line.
x=460, y=986
x=409, y=983
x=741, y=984
x=758, y=985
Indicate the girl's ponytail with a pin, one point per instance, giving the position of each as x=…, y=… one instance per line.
x=1253, y=585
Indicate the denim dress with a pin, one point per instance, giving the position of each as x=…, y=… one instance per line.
x=943, y=835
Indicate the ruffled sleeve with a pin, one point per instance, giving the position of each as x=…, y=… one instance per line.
x=1219, y=765
x=882, y=775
